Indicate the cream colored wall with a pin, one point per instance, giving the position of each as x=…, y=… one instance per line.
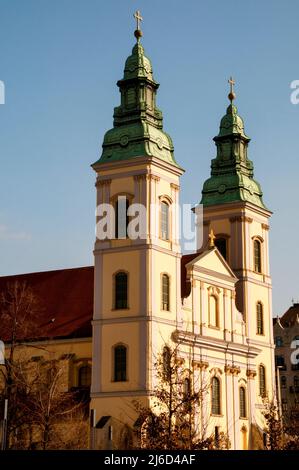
x=80, y=351
x=251, y=222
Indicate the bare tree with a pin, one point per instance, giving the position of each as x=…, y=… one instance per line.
x=169, y=423
x=40, y=412
x=282, y=433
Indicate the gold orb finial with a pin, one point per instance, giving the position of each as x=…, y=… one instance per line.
x=232, y=94
x=138, y=18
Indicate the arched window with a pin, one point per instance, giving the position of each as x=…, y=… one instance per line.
x=262, y=380
x=121, y=290
x=84, y=376
x=257, y=246
x=259, y=319
x=165, y=292
x=216, y=408
x=221, y=244
x=166, y=363
x=242, y=398
x=164, y=220
x=213, y=311
x=278, y=341
x=121, y=217
x=120, y=363
x=296, y=381
x=283, y=381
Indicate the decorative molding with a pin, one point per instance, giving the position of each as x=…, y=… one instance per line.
x=200, y=365
x=216, y=371
x=214, y=344
x=153, y=177
x=266, y=226
x=250, y=373
x=103, y=182
x=180, y=361
x=232, y=369
x=241, y=218
x=140, y=177
x=174, y=186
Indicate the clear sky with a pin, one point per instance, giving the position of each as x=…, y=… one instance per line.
x=60, y=60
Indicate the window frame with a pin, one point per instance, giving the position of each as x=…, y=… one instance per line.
x=217, y=316
x=262, y=391
x=123, y=377
x=260, y=330
x=166, y=200
x=163, y=304
x=79, y=372
x=243, y=400
x=259, y=241
x=117, y=273
x=219, y=401
x=114, y=202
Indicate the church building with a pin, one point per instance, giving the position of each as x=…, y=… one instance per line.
x=215, y=302
x=143, y=294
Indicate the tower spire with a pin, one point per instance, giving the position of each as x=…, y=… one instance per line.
x=138, y=123
x=231, y=171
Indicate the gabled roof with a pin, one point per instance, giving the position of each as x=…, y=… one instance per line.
x=66, y=299
x=203, y=259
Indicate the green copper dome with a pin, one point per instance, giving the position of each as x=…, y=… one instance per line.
x=232, y=123
x=231, y=171
x=138, y=123
x=138, y=65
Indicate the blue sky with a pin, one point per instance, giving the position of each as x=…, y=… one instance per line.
x=60, y=60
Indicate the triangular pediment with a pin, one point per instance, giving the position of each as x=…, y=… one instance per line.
x=212, y=260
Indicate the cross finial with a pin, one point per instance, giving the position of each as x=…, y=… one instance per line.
x=231, y=95
x=138, y=18
x=211, y=238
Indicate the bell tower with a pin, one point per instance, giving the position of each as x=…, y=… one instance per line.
x=233, y=208
x=137, y=279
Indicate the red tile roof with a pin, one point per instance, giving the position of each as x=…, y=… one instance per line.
x=66, y=298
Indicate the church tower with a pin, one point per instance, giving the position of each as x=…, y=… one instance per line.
x=233, y=208
x=137, y=278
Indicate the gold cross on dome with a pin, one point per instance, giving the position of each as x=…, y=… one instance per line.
x=212, y=238
x=138, y=18
x=232, y=82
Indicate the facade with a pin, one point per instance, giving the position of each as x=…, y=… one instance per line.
x=215, y=303
x=286, y=336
